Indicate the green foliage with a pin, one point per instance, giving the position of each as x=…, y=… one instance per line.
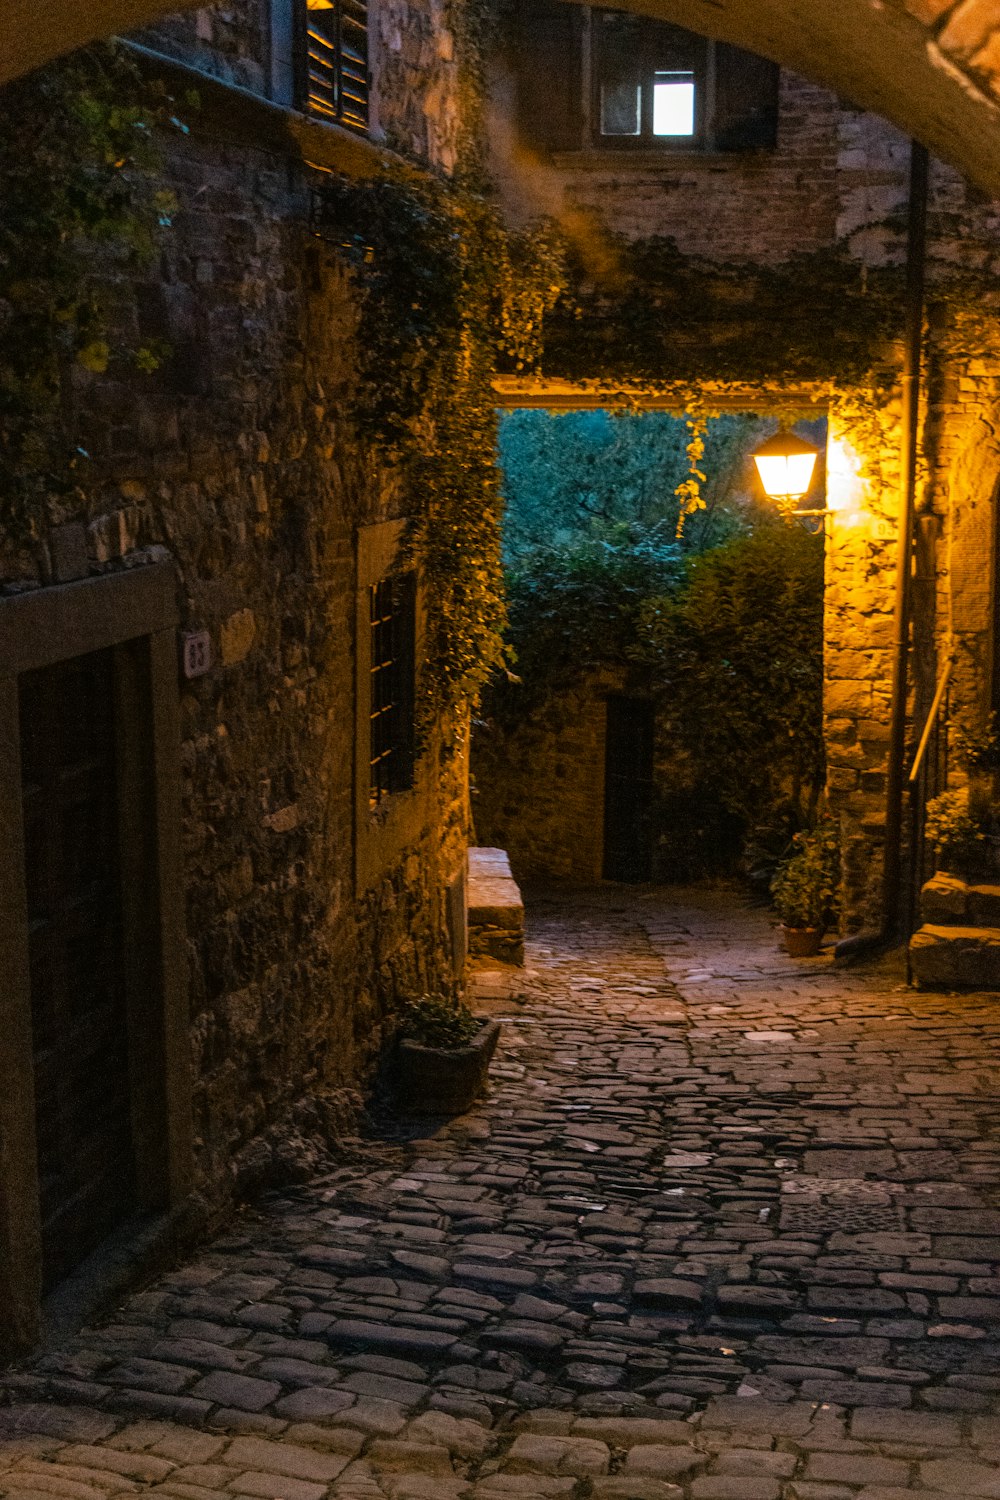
x=439, y=1021
x=736, y=653
x=819, y=317
x=805, y=889
x=569, y=474
x=78, y=199
x=977, y=750
x=953, y=830
x=575, y=607
x=444, y=292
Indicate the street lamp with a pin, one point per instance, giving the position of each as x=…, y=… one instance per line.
x=786, y=464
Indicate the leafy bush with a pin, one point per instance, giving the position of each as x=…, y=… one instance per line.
x=574, y=606
x=439, y=1021
x=805, y=887
x=736, y=654
x=952, y=829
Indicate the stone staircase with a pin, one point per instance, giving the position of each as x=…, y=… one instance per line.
x=958, y=946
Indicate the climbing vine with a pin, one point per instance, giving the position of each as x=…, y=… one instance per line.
x=79, y=201
x=446, y=293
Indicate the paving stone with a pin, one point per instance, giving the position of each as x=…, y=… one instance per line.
x=543, y=1454
x=664, y=1462
x=857, y=1468
x=961, y=1478
x=291, y=1459
x=906, y=1427
x=241, y=1391
x=729, y=1487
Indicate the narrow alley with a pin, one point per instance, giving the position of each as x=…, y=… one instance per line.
x=727, y=1227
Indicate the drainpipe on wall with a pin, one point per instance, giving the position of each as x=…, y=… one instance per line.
x=916, y=261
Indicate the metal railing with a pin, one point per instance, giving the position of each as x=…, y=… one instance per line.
x=928, y=778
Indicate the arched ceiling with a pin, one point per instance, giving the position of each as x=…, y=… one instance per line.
x=33, y=33
x=931, y=66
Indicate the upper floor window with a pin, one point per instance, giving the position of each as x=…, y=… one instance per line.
x=588, y=77
x=333, y=61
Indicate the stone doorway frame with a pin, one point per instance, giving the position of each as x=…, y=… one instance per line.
x=134, y=614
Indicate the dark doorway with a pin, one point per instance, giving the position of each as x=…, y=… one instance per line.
x=86, y=1160
x=628, y=790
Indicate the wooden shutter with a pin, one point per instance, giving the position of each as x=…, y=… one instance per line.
x=547, y=56
x=746, y=100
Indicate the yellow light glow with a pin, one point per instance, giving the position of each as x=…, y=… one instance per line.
x=785, y=475
x=845, y=488
x=319, y=4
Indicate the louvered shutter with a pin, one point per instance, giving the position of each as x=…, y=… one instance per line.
x=746, y=100
x=548, y=64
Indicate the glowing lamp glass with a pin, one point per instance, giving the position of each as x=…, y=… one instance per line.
x=785, y=464
x=786, y=475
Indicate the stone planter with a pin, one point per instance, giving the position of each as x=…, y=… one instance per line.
x=443, y=1080
x=802, y=942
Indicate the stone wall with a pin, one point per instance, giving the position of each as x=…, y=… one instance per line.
x=538, y=791
x=237, y=461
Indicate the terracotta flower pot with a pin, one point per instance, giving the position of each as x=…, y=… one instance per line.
x=802, y=942
x=443, y=1080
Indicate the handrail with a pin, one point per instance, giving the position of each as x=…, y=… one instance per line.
x=942, y=688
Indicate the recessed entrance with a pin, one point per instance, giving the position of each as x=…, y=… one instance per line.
x=86, y=1164
x=628, y=790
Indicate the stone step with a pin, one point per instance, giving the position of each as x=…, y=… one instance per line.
x=496, y=911
x=953, y=957
x=947, y=900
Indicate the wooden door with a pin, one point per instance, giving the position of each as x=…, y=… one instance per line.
x=628, y=790
x=86, y=1161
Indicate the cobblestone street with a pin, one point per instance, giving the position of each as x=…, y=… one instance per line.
x=727, y=1228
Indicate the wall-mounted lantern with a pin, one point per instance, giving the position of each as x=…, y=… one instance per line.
x=786, y=464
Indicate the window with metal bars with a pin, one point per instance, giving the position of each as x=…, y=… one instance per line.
x=392, y=609
x=334, y=81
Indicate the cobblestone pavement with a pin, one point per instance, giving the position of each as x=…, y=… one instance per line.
x=726, y=1228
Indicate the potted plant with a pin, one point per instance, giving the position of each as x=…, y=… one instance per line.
x=805, y=889
x=955, y=832
x=442, y=1056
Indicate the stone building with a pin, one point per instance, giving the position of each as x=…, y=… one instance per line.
x=760, y=169
x=218, y=886
x=224, y=867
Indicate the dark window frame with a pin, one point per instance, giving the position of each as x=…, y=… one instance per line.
x=392, y=662
x=554, y=55
x=654, y=40
x=333, y=55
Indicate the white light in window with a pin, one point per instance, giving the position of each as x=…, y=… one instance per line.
x=673, y=104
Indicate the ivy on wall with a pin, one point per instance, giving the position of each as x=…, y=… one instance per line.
x=446, y=294
x=79, y=198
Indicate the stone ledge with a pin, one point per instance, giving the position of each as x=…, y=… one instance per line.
x=954, y=957
x=496, y=911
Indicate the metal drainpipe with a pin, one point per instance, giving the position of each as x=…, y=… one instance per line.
x=916, y=262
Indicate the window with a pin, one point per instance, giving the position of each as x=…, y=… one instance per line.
x=333, y=68
x=391, y=606
x=591, y=78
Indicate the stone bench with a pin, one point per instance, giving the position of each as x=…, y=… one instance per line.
x=496, y=911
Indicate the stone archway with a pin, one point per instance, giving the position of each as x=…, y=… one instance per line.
x=931, y=66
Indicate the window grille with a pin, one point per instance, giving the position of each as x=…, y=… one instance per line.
x=391, y=612
x=335, y=82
